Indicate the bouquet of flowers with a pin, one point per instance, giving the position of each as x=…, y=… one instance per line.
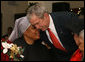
x=10, y=51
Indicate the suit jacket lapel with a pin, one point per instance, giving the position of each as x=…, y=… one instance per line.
x=57, y=26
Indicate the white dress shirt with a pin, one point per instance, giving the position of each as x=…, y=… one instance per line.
x=52, y=28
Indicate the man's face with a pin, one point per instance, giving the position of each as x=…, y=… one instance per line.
x=39, y=23
x=32, y=33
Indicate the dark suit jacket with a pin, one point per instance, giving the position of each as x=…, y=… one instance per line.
x=60, y=20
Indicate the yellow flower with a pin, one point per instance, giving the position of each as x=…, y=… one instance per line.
x=12, y=55
x=14, y=49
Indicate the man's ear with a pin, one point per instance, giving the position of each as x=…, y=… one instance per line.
x=76, y=38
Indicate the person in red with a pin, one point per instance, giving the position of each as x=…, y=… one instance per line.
x=78, y=55
x=78, y=33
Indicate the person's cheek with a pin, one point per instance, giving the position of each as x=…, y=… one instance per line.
x=78, y=42
x=81, y=47
x=81, y=40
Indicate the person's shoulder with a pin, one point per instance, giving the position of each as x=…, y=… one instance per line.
x=17, y=40
x=20, y=41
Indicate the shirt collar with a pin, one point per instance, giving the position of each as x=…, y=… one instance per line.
x=51, y=22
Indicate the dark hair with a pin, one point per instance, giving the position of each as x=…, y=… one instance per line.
x=82, y=11
x=75, y=26
x=78, y=26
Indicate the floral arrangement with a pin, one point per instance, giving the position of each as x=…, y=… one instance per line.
x=10, y=51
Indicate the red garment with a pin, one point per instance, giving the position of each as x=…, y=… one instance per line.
x=2, y=39
x=77, y=56
x=9, y=41
x=55, y=40
x=4, y=57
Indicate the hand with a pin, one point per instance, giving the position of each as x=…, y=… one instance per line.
x=46, y=45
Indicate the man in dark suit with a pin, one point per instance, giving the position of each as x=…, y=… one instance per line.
x=56, y=22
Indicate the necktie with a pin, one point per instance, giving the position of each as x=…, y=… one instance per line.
x=77, y=56
x=55, y=40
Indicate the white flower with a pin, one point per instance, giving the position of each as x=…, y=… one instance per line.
x=5, y=50
x=21, y=56
x=6, y=46
x=18, y=48
x=10, y=45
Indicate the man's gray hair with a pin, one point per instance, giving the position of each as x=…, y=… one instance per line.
x=37, y=9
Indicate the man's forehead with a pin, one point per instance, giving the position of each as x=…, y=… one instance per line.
x=34, y=20
x=33, y=15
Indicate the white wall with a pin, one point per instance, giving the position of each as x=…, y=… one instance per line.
x=9, y=11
